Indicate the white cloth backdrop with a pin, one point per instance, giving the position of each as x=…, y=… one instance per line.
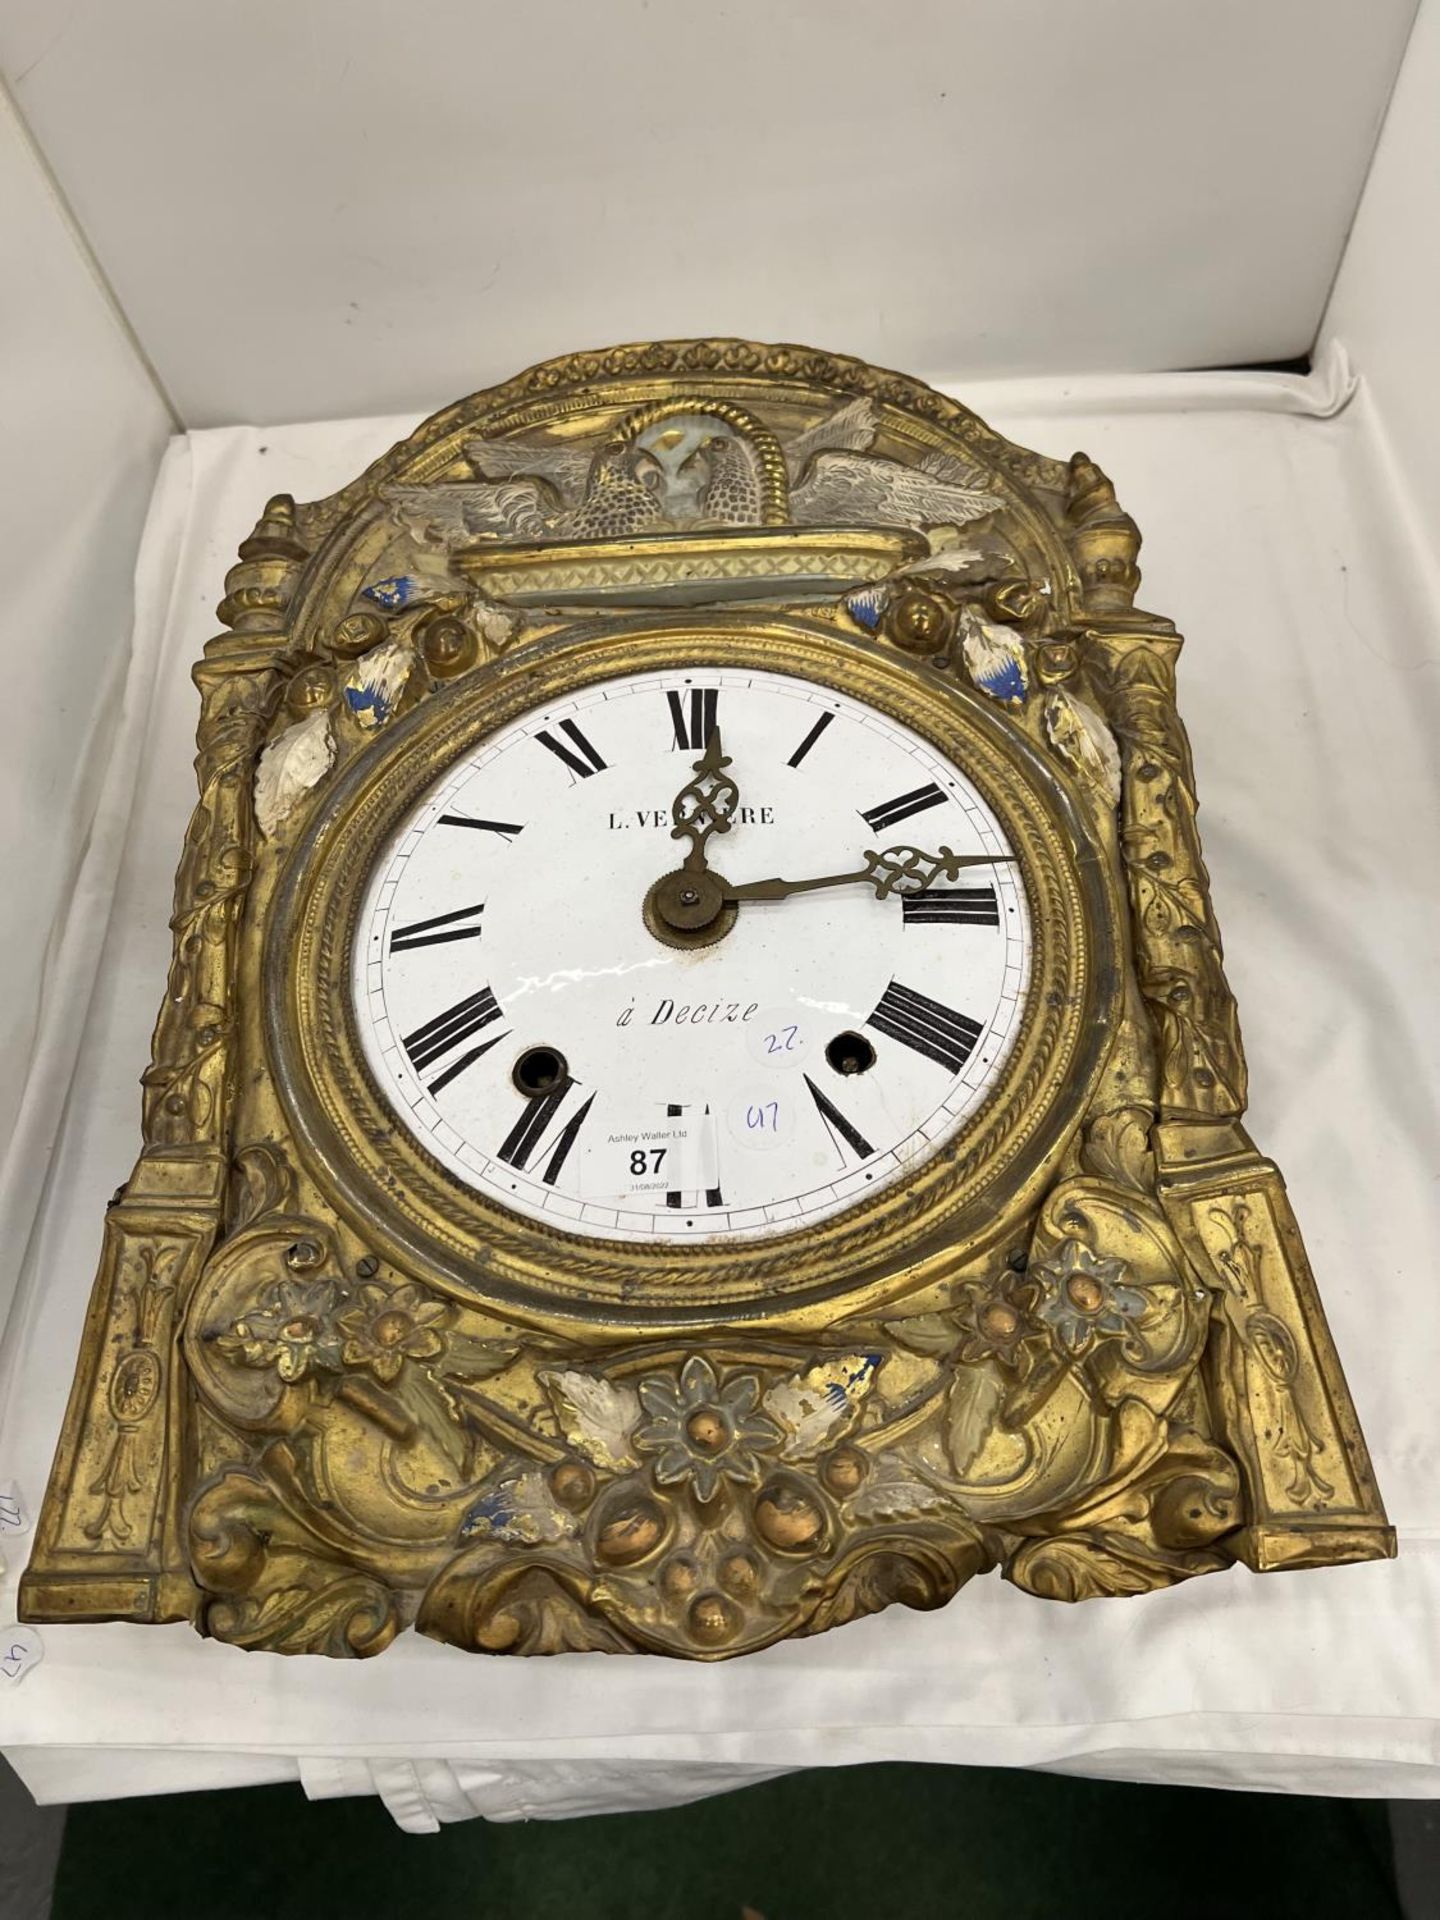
x=1274, y=538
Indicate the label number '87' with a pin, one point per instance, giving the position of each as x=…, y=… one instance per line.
x=647, y=1160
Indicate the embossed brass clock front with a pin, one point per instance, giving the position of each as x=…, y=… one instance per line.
x=697, y=1095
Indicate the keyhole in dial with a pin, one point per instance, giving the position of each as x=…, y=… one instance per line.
x=850, y=1053
x=540, y=1070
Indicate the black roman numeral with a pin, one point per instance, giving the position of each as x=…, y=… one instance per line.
x=811, y=737
x=435, y=932
x=839, y=1127
x=891, y=812
x=530, y=1129
x=430, y=1043
x=694, y=727
x=583, y=768
x=676, y=1198
x=524, y=1136
x=507, y=829
x=952, y=907
x=565, y=1142
x=927, y=1025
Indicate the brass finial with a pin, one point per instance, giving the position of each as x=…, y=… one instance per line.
x=274, y=536
x=1105, y=541
x=259, y=585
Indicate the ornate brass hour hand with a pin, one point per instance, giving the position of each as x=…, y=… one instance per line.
x=705, y=803
x=897, y=870
x=687, y=908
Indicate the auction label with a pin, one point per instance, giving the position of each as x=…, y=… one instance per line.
x=649, y=1153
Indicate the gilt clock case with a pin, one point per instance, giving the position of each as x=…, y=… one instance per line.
x=696, y=1096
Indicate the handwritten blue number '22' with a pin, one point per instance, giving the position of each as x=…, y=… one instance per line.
x=764, y=1118
x=782, y=1042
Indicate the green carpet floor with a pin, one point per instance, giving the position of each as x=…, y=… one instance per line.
x=879, y=1843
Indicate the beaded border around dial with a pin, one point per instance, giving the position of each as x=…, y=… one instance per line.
x=479, y=1250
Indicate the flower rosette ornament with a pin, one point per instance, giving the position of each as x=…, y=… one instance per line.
x=294, y=1329
x=993, y=1321
x=704, y=1431
x=1083, y=1298
x=388, y=1326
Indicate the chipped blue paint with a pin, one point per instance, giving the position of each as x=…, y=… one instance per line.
x=994, y=658
x=493, y=1512
x=393, y=593
x=841, y=1393
x=865, y=606
x=371, y=701
x=1003, y=681
x=376, y=684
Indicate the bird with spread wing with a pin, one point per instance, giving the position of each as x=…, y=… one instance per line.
x=526, y=491
x=835, y=481
x=535, y=490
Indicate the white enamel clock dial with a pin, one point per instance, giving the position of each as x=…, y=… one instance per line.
x=540, y=1041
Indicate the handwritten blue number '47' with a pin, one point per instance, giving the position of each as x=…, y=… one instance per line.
x=765, y=1118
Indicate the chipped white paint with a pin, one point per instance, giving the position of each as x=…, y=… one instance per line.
x=595, y=1416
x=1083, y=742
x=816, y=1406
x=290, y=766
x=520, y=1507
x=496, y=625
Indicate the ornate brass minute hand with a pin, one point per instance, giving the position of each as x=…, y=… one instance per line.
x=896, y=870
x=704, y=804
